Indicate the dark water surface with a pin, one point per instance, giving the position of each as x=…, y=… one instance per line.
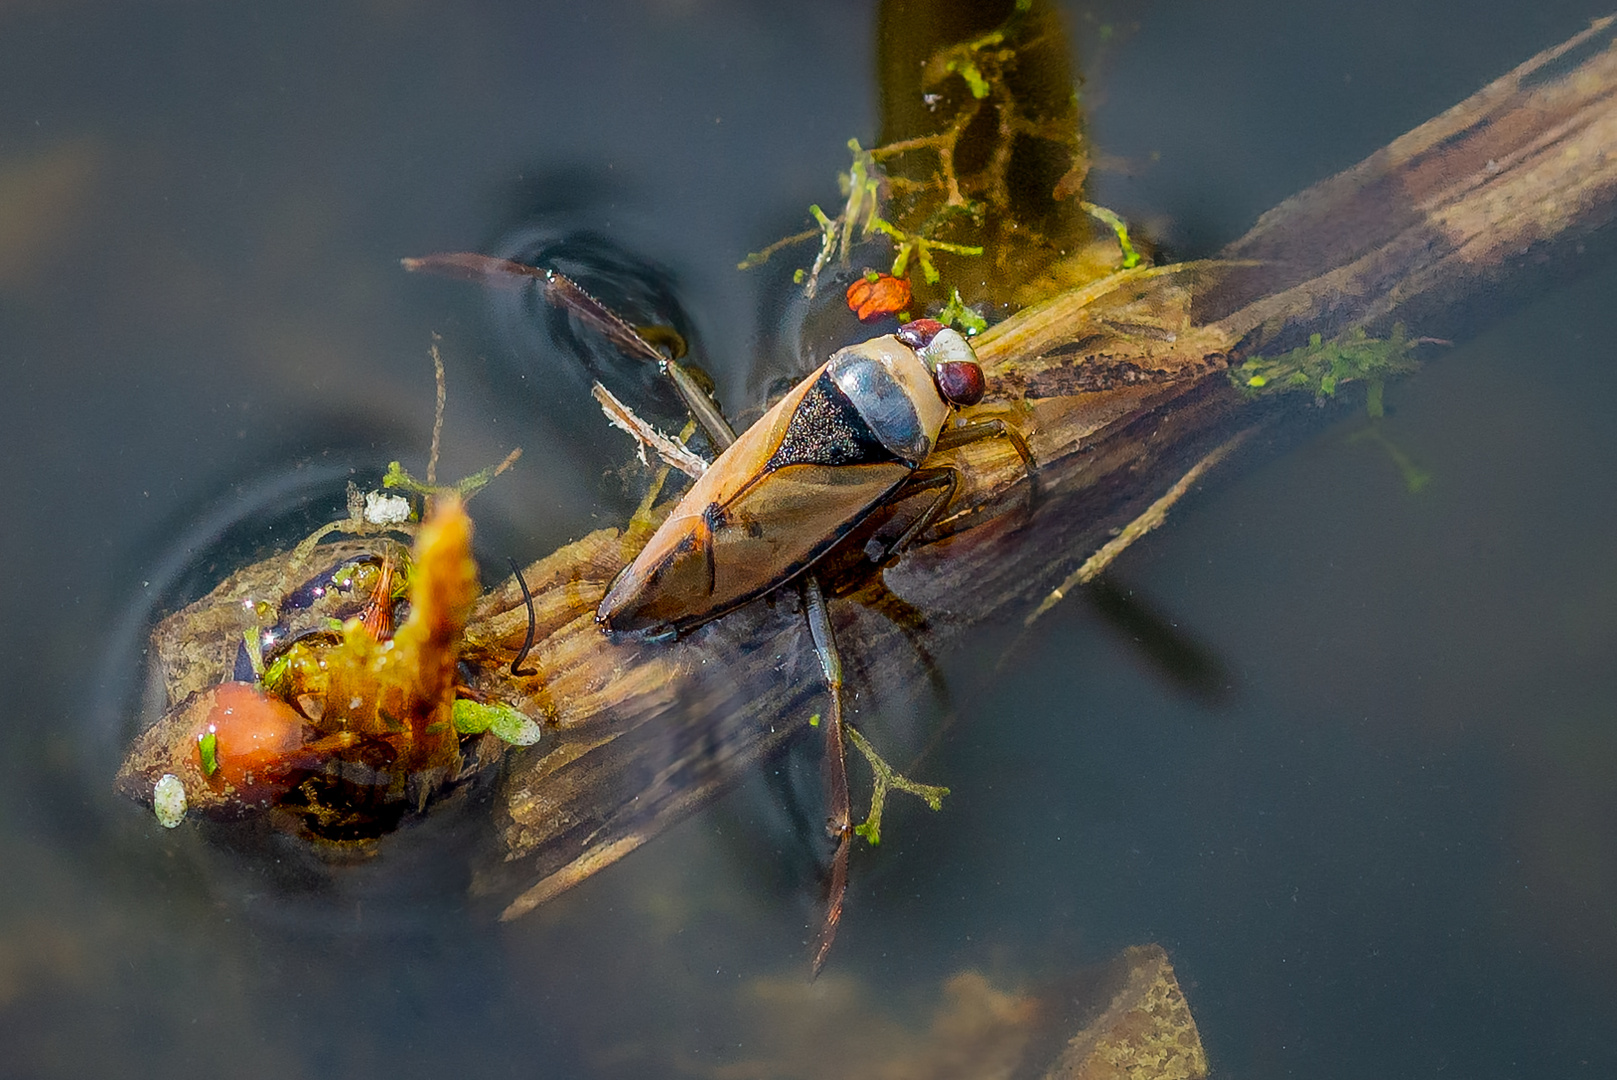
x=1392, y=850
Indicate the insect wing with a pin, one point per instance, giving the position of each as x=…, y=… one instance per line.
x=760, y=514
x=790, y=518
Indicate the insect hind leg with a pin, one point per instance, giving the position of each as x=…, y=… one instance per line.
x=947, y=478
x=839, y=821
x=701, y=405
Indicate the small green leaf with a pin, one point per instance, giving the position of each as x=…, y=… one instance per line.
x=956, y=313
x=255, y=648
x=474, y=718
x=208, y=748
x=973, y=76
x=274, y=677
x=397, y=476
x=814, y=721
x=516, y=729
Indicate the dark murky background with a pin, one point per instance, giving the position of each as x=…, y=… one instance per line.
x=1392, y=851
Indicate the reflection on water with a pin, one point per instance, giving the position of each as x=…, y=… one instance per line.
x=1392, y=849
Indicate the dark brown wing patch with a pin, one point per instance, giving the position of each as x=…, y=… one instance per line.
x=826, y=429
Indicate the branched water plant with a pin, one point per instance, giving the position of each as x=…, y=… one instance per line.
x=1321, y=366
x=990, y=169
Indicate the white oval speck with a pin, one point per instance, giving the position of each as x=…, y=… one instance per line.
x=168, y=801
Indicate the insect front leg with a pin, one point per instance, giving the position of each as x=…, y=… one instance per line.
x=993, y=428
x=945, y=479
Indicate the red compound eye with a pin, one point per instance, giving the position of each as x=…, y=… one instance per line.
x=919, y=334
x=960, y=382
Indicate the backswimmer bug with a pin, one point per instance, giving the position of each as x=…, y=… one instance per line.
x=841, y=442
x=852, y=436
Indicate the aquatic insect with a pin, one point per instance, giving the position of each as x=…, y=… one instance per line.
x=850, y=438
x=846, y=440
x=841, y=443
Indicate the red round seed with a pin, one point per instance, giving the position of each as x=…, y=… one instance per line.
x=872, y=299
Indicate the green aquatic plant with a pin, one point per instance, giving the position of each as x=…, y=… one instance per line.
x=399, y=477
x=475, y=717
x=968, y=320
x=861, y=219
x=1415, y=478
x=979, y=178
x=885, y=779
x=1321, y=366
x=1120, y=229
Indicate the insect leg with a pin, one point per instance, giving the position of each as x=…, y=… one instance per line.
x=700, y=403
x=562, y=291
x=565, y=292
x=944, y=477
x=947, y=477
x=994, y=428
x=836, y=763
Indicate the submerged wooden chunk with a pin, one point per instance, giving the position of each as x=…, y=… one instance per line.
x=1146, y=1033
x=351, y=720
